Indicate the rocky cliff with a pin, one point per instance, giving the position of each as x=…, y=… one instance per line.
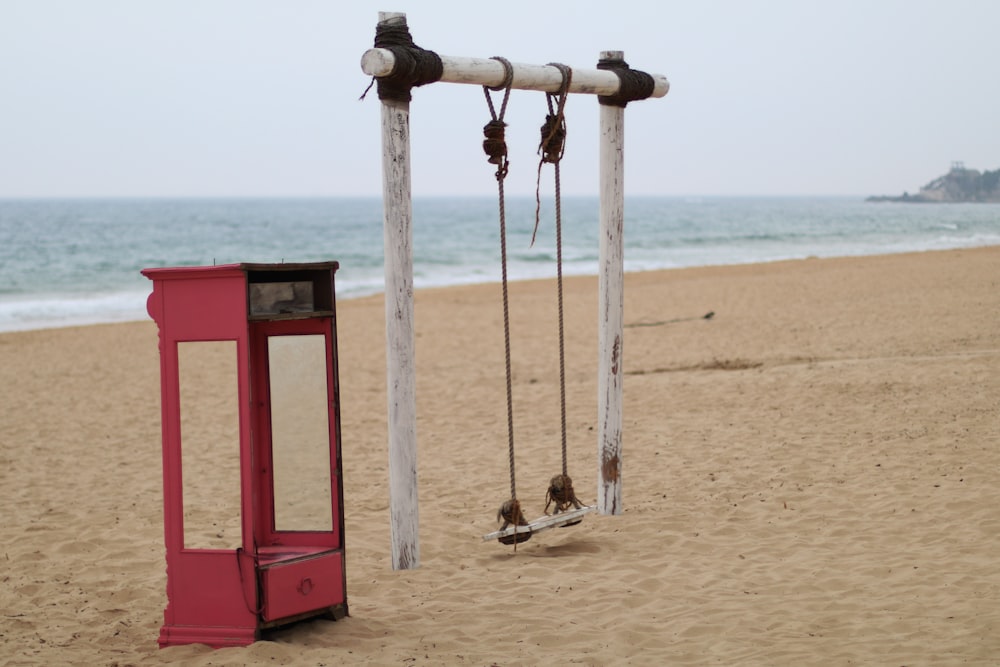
x=958, y=185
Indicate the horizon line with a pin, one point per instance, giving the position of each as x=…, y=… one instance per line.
x=106, y=197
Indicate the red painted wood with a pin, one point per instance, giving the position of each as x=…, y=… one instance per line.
x=314, y=582
x=213, y=596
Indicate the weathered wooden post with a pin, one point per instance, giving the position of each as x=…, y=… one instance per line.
x=399, y=334
x=616, y=84
x=610, y=337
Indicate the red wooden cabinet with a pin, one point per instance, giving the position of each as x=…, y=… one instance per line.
x=252, y=493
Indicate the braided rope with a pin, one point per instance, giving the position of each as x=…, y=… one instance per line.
x=552, y=148
x=562, y=338
x=496, y=148
x=506, y=338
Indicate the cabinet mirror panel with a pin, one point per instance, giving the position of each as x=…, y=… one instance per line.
x=300, y=432
x=210, y=444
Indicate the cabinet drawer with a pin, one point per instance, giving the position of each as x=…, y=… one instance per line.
x=304, y=585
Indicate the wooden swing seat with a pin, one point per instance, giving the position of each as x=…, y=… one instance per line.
x=562, y=519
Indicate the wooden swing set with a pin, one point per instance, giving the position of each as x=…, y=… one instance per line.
x=398, y=65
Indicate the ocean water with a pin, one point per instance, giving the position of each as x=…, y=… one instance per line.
x=67, y=262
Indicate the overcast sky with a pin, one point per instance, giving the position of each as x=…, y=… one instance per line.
x=255, y=98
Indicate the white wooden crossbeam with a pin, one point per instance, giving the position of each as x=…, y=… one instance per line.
x=489, y=72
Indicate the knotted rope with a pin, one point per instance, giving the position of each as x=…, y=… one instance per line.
x=495, y=147
x=551, y=148
x=553, y=140
x=495, y=143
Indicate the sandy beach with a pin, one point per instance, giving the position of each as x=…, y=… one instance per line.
x=811, y=477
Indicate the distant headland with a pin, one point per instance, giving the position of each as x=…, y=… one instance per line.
x=958, y=185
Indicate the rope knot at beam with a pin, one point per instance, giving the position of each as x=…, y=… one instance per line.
x=414, y=66
x=495, y=143
x=553, y=141
x=552, y=144
x=632, y=84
